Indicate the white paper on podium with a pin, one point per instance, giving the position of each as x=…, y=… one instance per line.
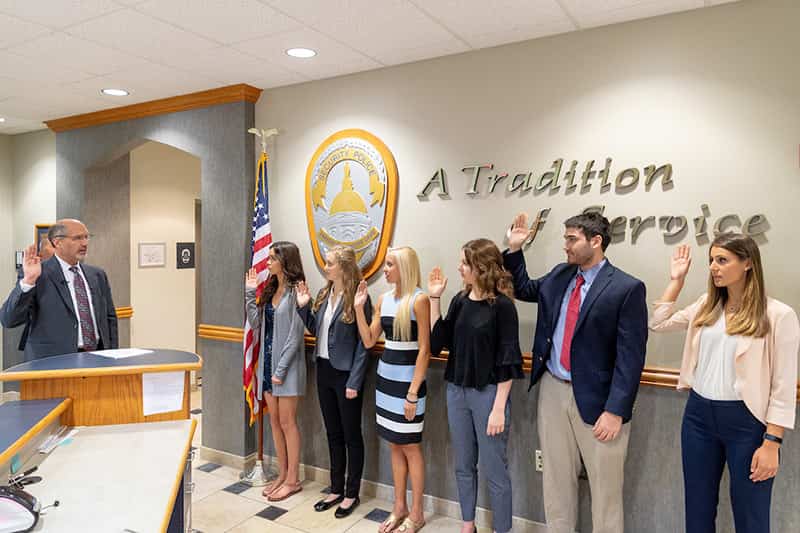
x=122, y=353
x=162, y=392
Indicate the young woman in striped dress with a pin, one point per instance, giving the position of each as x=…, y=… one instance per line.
x=404, y=320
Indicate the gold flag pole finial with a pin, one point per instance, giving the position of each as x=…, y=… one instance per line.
x=263, y=135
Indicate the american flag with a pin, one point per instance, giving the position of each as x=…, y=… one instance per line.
x=259, y=247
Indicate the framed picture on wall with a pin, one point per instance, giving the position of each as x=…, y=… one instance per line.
x=40, y=235
x=152, y=254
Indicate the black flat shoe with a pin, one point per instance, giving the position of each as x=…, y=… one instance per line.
x=341, y=512
x=322, y=505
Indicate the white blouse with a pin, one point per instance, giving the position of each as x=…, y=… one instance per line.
x=715, y=375
x=322, y=342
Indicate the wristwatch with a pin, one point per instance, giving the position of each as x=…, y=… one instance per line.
x=773, y=438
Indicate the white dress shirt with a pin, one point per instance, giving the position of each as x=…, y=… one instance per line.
x=70, y=277
x=322, y=342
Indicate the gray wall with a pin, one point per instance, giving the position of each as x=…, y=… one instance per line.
x=218, y=136
x=107, y=215
x=653, y=474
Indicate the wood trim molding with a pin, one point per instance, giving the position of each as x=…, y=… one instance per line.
x=7, y=454
x=99, y=371
x=655, y=376
x=124, y=312
x=185, y=102
x=176, y=485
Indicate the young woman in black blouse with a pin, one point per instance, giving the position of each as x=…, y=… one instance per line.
x=482, y=335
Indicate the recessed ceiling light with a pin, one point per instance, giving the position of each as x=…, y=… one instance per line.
x=304, y=53
x=2, y=119
x=115, y=92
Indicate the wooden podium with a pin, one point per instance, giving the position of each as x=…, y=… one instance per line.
x=103, y=390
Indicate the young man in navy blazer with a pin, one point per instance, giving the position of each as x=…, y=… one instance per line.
x=588, y=353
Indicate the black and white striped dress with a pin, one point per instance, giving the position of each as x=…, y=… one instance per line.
x=395, y=373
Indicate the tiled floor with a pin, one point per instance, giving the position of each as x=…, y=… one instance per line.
x=217, y=510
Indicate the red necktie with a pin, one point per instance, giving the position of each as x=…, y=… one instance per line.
x=573, y=310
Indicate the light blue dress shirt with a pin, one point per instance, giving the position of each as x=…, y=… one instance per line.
x=554, y=363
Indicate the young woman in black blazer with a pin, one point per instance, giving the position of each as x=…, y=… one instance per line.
x=341, y=361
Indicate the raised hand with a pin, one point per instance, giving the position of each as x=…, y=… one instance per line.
x=31, y=265
x=680, y=262
x=437, y=282
x=519, y=232
x=251, y=279
x=361, y=294
x=303, y=294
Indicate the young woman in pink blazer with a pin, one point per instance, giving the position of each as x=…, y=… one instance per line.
x=740, y=362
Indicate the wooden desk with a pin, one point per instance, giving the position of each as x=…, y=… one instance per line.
x=103, y=390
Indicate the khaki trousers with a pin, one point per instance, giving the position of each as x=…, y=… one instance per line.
x=565, y=438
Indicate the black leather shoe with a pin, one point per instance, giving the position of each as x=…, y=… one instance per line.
x=341, y=512
x=322, y=505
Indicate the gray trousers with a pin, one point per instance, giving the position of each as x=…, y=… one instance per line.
x=468, y=414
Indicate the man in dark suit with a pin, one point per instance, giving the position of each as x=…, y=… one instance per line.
x=66, y=306
x=588, y=354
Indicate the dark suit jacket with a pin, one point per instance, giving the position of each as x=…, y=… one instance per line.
x=610, y=338
x=24, y=337
x=50, y=317
x=345, y=349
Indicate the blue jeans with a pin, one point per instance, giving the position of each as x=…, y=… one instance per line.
x=715, y=433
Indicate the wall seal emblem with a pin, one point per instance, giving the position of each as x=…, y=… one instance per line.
x=351, y=196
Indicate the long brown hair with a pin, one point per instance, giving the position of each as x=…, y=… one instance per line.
x=288, y=256
x=484, y=258
x=751, y=320
x=346, y=258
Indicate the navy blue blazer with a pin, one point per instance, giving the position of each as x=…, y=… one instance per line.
x=49, y=315
x=345, y=349
x=610, y=339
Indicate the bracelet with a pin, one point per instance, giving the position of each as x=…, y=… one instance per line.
x=435, y=297
x=773, y=438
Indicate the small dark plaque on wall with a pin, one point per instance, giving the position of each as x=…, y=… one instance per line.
x=184, y=251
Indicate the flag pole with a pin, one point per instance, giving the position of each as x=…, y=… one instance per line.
x=260, y=474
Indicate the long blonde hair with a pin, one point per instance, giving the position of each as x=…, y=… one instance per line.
x=484, y=258
x=751, y=320
x=351, y=277
x=410, y=279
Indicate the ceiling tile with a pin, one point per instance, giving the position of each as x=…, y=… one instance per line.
x=76, y=53
x=484, y=24
x=10, y=87
x=14, y=30
x=39, y=106
x=224, y=21
x=332, y=59
x=590, y=13
x=15, y=126
x=57, y=13
x=142, y=35
x=145, y=82
x=394, y=29
x=23, y=69
x=230, y=66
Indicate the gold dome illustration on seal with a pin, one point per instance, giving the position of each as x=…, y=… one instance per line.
x=351, y=193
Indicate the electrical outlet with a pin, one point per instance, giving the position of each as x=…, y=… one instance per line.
x=539, y=461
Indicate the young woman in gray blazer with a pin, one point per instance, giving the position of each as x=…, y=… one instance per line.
x=341, y=361
x=281, y=363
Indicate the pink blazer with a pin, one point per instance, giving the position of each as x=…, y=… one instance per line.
x=766, y=367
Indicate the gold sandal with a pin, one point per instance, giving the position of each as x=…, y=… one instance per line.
x=391, y=523
x=409, y=526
